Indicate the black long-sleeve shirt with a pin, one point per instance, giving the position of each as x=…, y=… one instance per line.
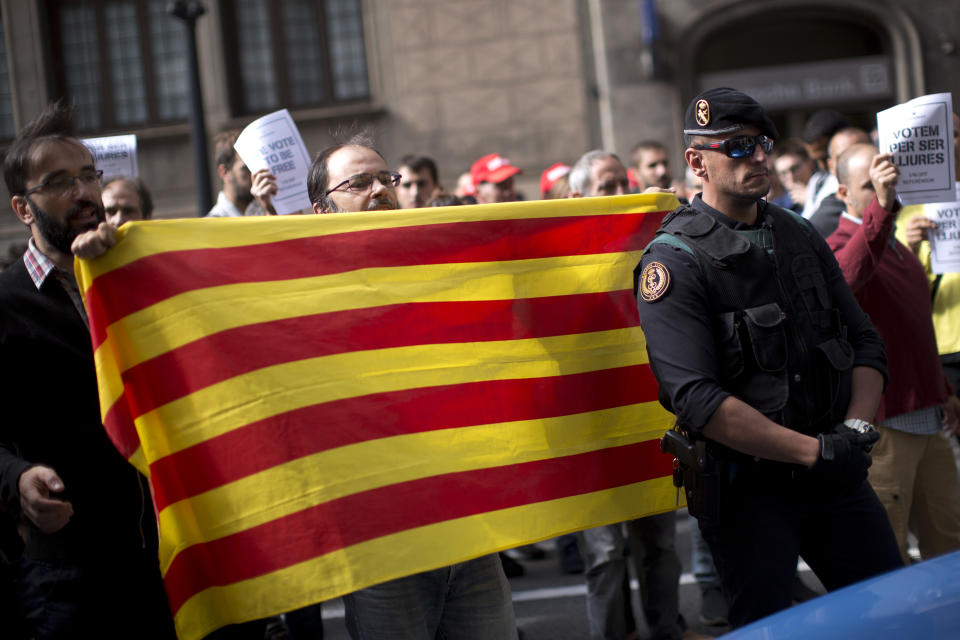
x=680, y=332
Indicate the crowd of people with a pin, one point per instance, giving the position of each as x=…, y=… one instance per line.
x=796, y=331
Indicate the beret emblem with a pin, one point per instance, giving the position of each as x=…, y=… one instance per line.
x=703, y=112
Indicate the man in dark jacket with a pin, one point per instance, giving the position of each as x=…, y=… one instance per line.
x=89, y=566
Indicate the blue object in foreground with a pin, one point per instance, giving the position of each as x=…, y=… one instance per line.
x=919, y=601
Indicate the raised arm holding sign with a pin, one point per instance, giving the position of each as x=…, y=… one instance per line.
x=919, y=134
x=273, y=143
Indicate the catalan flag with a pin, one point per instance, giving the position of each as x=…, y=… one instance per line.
x=323, y=403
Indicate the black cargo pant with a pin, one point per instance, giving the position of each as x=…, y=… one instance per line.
x=774, y=514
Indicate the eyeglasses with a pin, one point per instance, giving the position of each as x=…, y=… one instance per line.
x=363, y=181
x=739, y=147
x=62, y=185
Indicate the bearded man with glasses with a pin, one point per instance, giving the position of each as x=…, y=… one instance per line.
x=771, y=368
x=352, y=177
x=89, y=566
x=469, y=600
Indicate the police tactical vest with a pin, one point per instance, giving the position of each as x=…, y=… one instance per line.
x=780, y=343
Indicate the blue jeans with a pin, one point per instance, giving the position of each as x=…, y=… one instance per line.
x=466, y=601
x=658, y=572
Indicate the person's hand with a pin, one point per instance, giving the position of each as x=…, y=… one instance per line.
x=884, y=175
x=94, y=243
x=917, y=229
x=845, y=454
x=951, y=415
x=36, y=485
x=263, y=189
x=659, y=190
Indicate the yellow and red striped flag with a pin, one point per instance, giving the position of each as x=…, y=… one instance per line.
x=323, y=403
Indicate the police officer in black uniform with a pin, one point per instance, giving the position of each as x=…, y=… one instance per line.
x=769, y=364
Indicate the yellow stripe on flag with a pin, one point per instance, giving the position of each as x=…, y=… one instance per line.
x=193, y=315
x=240, y=400
x=162, y=236
x=313, y=513
x=443, y=544
x=286, y=488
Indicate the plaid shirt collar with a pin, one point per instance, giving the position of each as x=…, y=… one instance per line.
x=38, y=265
x=40, y=268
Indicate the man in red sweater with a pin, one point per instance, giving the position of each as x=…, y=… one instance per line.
x=913, y=472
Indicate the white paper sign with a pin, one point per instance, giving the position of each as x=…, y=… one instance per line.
x=945, y=239
x=115, y=155
x=273, y=142
x=919, y=134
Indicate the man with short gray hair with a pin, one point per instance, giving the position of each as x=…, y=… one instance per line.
x=598, y=173
x=601, y=173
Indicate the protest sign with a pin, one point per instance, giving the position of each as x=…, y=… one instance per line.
x=945, y=239
x=919, y=134
x=115, y=155
x=273, y=142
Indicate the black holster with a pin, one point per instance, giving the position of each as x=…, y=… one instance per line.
x=708, y=490
x=704, y=478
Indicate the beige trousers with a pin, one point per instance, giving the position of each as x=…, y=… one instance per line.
x=915, y=477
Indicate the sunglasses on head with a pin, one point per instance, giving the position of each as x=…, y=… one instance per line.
x=739, y=147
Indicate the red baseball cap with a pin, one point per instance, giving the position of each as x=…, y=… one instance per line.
x=492, y=168
x=550, y=175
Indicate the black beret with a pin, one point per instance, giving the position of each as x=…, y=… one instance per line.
x=724, y=110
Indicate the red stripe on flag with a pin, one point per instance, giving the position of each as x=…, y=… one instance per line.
x=315, y=532
x=120, y=427
x=282, y=438
x=224, y=355
x=121, y=292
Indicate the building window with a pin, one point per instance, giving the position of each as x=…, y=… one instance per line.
x=123, y=63
x=6, y=100
x=294, y=54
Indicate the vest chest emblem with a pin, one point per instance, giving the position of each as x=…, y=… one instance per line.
x=654, y=282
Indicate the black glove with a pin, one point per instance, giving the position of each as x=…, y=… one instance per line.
x=845, y=454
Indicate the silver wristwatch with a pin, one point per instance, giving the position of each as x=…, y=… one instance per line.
x=858, y=425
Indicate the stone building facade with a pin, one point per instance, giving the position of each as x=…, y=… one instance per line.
x=539, y=81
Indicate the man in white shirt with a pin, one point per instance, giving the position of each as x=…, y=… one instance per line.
x=242, y=194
